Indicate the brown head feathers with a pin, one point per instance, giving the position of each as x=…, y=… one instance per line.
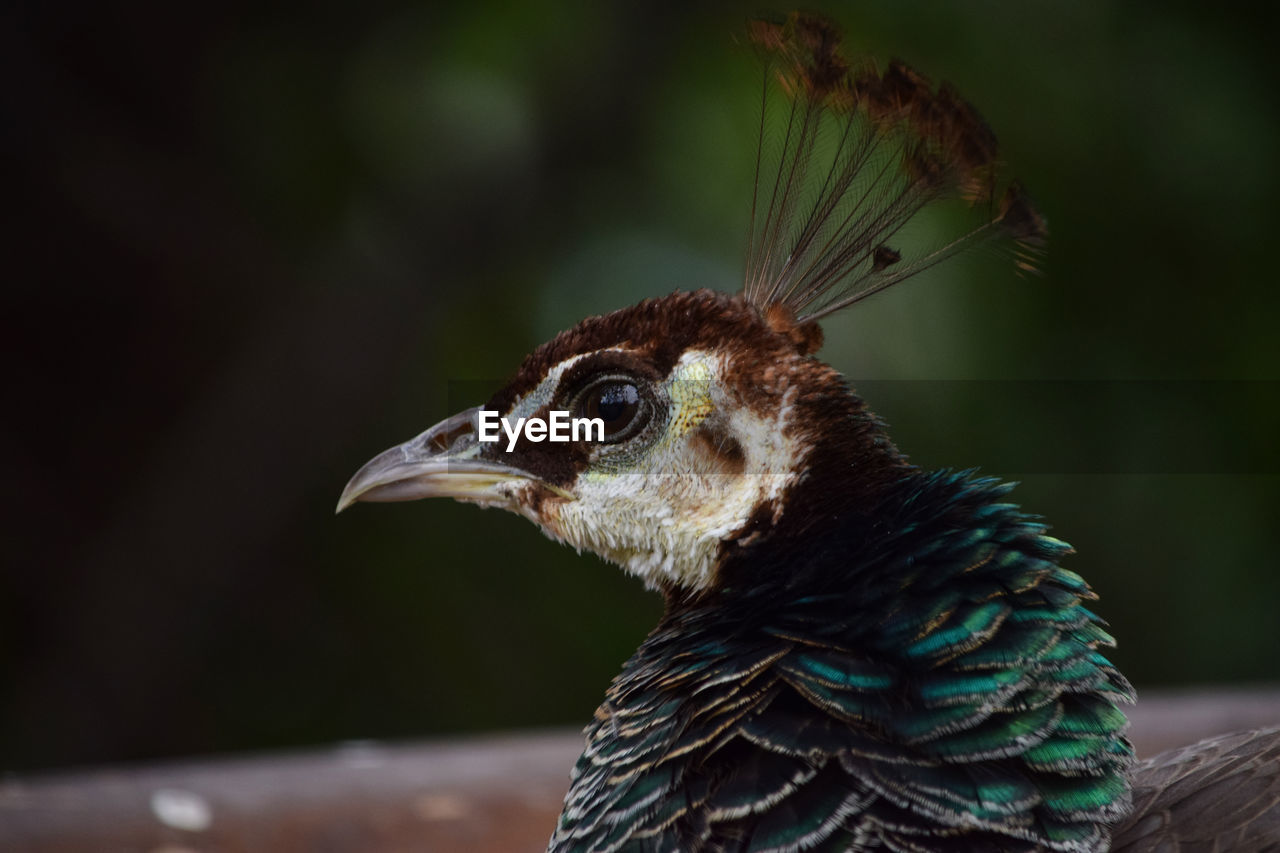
x=847, y=159
x=658, y=331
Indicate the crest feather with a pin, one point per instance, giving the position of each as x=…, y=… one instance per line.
x=858, y=155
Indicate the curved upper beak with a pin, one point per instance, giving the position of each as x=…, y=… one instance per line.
x=443, y=462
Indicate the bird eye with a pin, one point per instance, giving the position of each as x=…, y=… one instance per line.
x=617, y=404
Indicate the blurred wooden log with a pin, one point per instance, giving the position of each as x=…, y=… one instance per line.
x=1165, y=719
x=495, y=793
x=499, y=793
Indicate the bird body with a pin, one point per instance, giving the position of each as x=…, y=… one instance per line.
x=855, y=654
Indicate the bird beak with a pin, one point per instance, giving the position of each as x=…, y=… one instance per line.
x=443, y=462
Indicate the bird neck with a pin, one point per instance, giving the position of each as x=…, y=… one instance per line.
x=846, y=494
x=929, y=628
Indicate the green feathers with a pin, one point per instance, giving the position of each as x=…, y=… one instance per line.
x=942, y=687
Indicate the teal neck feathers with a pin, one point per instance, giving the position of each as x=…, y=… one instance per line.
x=921, y=658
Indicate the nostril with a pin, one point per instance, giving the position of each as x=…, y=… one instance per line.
x=447, y=438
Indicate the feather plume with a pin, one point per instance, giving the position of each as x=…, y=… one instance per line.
x=860, y=154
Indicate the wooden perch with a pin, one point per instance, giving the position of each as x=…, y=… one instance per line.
x=497, y=793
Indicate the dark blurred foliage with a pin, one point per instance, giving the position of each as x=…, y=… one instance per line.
x=250, y=245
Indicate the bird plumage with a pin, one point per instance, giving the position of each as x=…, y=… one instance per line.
x=1221, y=794
x=855, y=654
x=939, y=687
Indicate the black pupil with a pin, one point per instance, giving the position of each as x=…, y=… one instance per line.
x=615, y=404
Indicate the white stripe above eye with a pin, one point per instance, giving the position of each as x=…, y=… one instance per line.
x=542, y=394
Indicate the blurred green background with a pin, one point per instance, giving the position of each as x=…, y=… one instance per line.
x=250, y=245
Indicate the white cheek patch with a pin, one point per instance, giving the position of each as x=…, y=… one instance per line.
x=771, y=451
x=665, y=517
